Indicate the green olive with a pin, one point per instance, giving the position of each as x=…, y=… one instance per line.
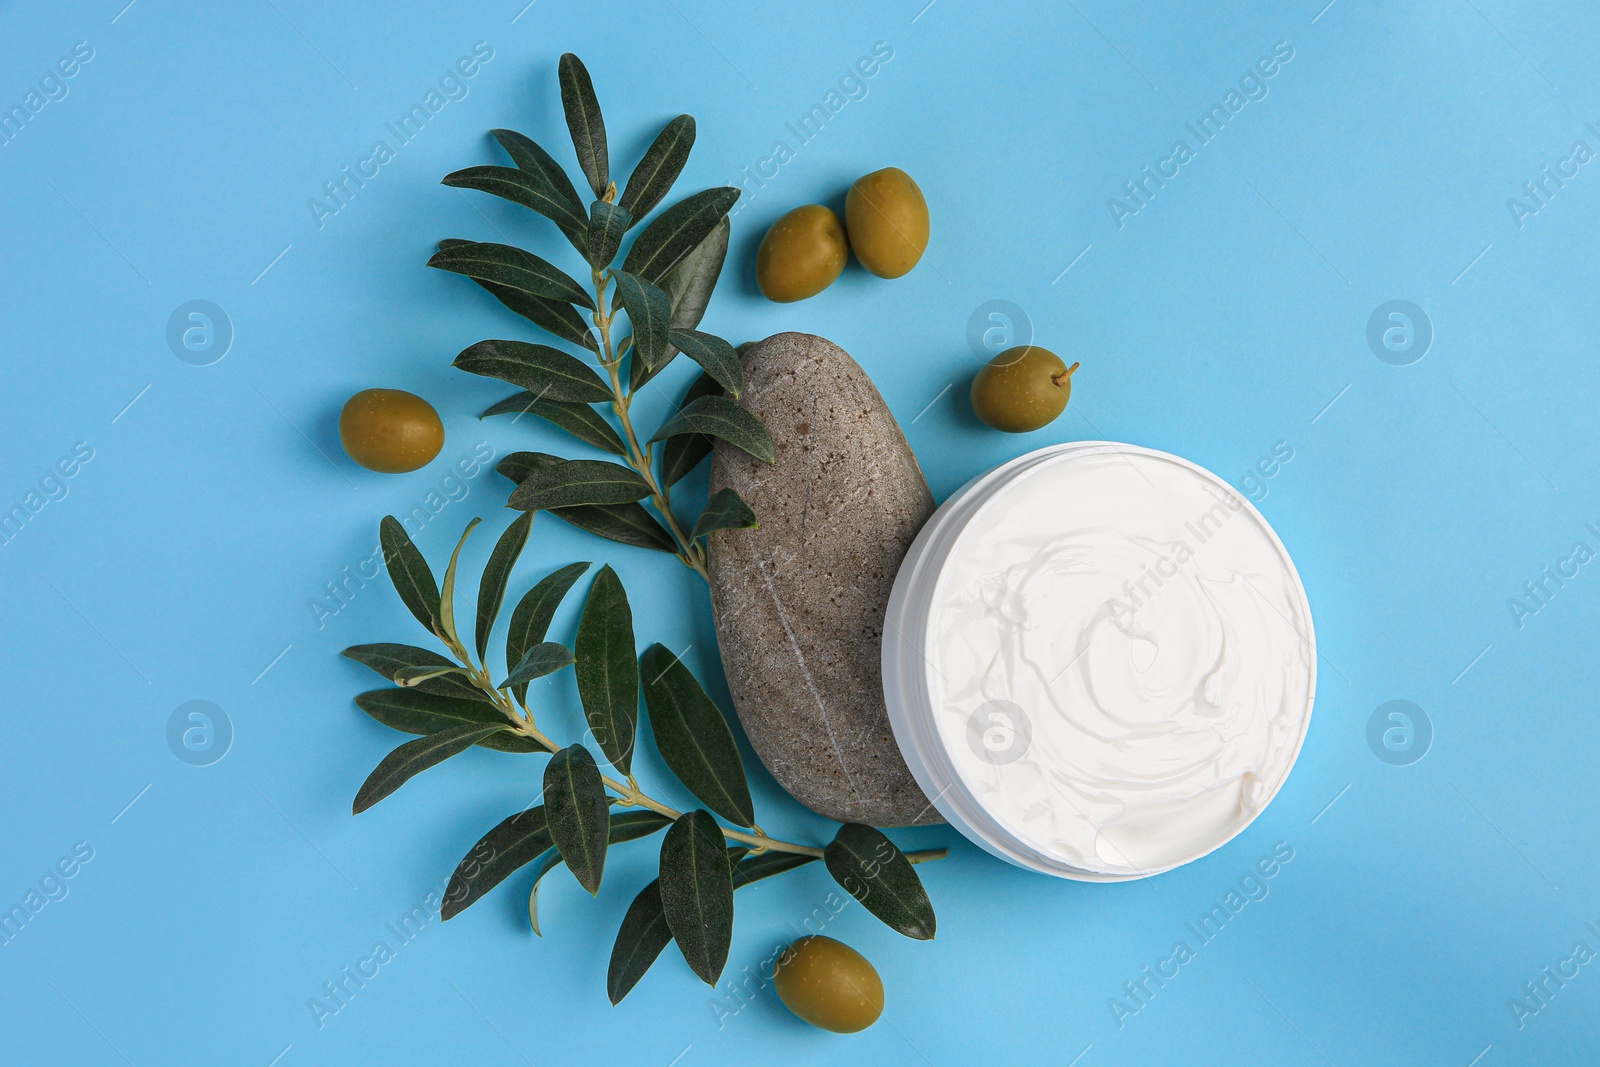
x=390, y=431
x=1022, y=389
x=801, y=255
x=887, y=220
x=829, y=984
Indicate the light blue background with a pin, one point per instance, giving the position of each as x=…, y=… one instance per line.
x=1223, y=318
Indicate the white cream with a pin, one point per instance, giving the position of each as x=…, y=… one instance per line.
x=1118, y=660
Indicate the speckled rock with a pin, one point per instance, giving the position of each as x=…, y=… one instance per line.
x=799, y=603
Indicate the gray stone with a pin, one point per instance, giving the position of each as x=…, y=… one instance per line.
x=799, y=603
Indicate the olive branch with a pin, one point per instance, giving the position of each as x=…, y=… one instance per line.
x=663, y=285
x=454, y=704
x=451, y=699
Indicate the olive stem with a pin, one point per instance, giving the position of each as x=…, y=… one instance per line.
x=628, y=792
x=1057, y=379
x=520, y=719
x=638, y=457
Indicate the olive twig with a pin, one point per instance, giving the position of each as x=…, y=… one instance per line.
x=628, y=792
x=638, y=457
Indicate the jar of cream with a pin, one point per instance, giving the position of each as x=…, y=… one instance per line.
x=1098, y=661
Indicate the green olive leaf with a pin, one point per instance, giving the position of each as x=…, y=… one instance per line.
x=676, y=232
x=682, y=453
x=534, y=161
x=649, y=313
x=715, y=356
x=576, y=805
x=530, y=620
x=693, y=738
x=577, y=481
x=548, y=373
x=628, y=524
x=518, y=403
x=508, y=265
x=530, y=188
x=547, y=862
x=607, y=224
x=388, y=659
x=644, y=933
x=418, y=711
x=688, y=286
x=544, y=658
x=547, y=313
x=408, y=677
x=720, y=417
x=513, y=843
x=726, y=510
x=871, y=869
x=529, y=156
x=518, y=465
x=496, y=573
x=692, y=279
x=607, y=674
x=632, y=825
x=697, y=893
x=755, y=868
x=580, y=420
x=584, y=122
x=414, y=757
x=447, y=592
x=638, y=373
x=409, y=572
x=662, y=163
x=624, y=826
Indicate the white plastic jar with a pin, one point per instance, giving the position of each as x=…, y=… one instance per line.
x=1099, y=661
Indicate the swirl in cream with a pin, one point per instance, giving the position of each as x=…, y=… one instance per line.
x=1119, y=660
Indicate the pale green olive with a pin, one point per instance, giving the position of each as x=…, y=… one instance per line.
x=829, y=984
